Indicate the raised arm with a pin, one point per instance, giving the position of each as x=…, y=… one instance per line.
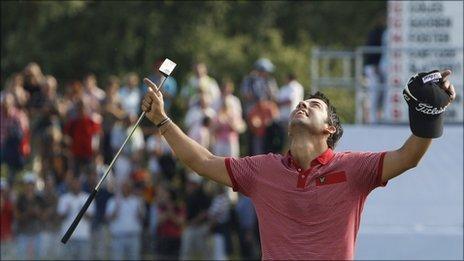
x=424, y=121
x=192, y=154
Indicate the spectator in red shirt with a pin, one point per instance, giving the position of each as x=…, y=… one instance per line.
x=309, y=202
x=6, y=221
x=83, y=132
x=259, y=118
x=171, y=219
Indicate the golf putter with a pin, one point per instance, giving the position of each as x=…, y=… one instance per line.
x=166, y=69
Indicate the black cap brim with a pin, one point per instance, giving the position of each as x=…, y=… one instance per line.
x=430, y=126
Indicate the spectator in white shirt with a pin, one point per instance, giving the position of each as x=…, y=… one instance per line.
x=196, y=114
x=131, y=95
x=125, y=213
x=69, y=205
x=288, y=98
x=157, y=150
x=218, y=215
x=94, y=94
x=200, y=81
x=131, y=152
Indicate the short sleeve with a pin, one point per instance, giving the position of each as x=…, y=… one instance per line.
x=365, y=169
x=243, y=172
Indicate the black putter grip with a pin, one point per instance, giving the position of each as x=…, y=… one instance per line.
x=74, y=224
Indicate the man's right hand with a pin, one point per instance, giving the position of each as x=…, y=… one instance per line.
x=152, y=103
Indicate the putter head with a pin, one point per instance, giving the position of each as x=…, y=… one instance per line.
x=167, y=67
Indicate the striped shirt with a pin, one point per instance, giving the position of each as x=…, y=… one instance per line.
x=307, y=214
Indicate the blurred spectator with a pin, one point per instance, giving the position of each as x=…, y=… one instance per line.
x=199, y=121
x=125, y=213
x=197, y=113
x=227, y=96
x=146, y=191
x=160, y=158
x=227, y=126
x=201, y=133
x=33, y=80
x=48, y=123
x=218, y=215
x=15, y=85
x=288, y=98
x=195, y=237
x=74, y=95
x=259, y=84
x=27, y=214
x=375, y=74
x=132, y=151
x=49, y=91
x=6, y=221
x=14, y=136
x=69, y=205
x=82, y=131
x=51, y=222
x=169, y=89
x=56, y=159
x=259, y=118
x=51, y=142
x=171, y=219
x=94, y=94
x=200, y=81
x=50, y=112
x=247, y=225
x=132, y=94
x=111, y=112
x=99, y=225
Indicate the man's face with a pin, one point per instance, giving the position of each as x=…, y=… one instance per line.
x=312, y=114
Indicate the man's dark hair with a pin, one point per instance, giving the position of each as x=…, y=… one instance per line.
x=332, y=119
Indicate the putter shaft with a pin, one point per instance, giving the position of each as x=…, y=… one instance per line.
x=92, y=195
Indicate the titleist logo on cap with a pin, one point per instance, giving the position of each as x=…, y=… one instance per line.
x=431, y=77
x=429, y=109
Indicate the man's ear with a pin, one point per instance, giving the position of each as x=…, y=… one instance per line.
x=330, y=129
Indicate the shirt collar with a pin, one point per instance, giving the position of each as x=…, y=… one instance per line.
x=322, y=159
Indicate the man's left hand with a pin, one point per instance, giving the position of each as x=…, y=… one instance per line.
x=446, y=84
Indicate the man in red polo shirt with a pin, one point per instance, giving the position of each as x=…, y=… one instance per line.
x=82, y=130
x=309, y=201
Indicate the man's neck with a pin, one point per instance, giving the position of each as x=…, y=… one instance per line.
x=305, y=149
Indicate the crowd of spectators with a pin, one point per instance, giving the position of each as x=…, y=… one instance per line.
x=58, y=138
